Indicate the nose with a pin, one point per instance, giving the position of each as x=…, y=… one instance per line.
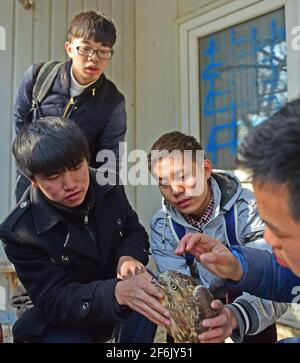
x=94, y=58
x=69, y=181
x=177, y=188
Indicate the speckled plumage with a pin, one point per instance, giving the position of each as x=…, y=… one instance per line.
x=188, y=303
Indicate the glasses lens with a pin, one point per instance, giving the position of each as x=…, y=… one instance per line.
x=104, y=54
x=85, y=51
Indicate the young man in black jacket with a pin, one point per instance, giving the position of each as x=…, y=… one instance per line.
x=69, y=238
x=79, y=91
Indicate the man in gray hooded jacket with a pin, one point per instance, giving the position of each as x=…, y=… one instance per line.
x=197, y=199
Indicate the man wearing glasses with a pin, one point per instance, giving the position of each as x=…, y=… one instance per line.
x=80, y=91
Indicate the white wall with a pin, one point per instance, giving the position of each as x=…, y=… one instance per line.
x=145, y=68
x=157, y=77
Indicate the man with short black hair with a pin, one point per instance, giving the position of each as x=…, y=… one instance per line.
x=79, y=89
x=69, y=238
x=197, y=199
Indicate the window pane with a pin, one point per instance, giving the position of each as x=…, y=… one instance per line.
x=243, y=77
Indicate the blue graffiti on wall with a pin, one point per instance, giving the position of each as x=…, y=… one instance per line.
x=214, y=97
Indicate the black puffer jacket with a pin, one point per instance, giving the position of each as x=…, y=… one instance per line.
x=99, y=111
x=66, y=258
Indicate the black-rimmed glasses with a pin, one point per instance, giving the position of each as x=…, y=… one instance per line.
x=89, y=52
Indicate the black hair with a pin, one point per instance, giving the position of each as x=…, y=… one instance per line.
x=174, y=141
x=93, y=26
x=272, y=153
x=49, y=146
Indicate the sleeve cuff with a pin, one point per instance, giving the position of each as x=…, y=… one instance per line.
x=121, y=311
x=243, y=322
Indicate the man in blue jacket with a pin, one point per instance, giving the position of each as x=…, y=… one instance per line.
x=196, y=199
x=79, y=90
x=272, y=153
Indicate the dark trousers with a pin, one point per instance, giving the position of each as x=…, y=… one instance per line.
x=135, y=329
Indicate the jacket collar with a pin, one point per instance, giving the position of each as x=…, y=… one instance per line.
x=45, y=216
x=65, y=79
x=229, y=188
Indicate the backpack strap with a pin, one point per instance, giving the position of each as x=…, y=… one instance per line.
x=230, y=229
x=230, y=222
x=44, y=80
x=180, y=232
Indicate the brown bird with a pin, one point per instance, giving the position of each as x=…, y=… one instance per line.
x=189, y=304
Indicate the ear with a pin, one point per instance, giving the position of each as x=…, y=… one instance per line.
x=69, y=49
x=34, y=183
x=207, y=168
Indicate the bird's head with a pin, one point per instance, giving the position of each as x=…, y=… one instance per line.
x=175, y=286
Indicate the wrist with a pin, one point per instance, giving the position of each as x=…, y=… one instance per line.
x=238, y=273
x=119, y=292
x=232, y=318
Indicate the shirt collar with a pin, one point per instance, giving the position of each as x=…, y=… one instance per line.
x=205, y=217
x=75, y=87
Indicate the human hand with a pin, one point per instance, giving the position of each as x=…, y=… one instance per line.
x=220, y=327
x=128, y=267
x=212, y=254
x=141, y=295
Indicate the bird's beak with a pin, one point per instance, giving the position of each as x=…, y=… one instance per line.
x=155, y=281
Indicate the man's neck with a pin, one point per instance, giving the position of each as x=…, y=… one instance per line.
x=76, y=88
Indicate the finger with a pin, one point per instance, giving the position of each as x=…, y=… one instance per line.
x=210, y=258
x=216, y=304
x=196, y=242
x=212, y=334
x=182, y=244
x=151, y=301
x=186, y=244
x=153, y=310
x=148, y=287
x=213, y=341
x=203, y=241
x=142, y=269
x=218, y=321
x=148, y=276
x=152, y=315
x=200, y=243
x=128, y=274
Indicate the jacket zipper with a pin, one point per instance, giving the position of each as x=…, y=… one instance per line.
x=69, y=104
x=86, y=216
x=86, y=222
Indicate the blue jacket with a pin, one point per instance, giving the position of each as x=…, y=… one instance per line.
x=253, y=314
x=265, y=278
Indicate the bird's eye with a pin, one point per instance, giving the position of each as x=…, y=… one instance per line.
x=174, y=287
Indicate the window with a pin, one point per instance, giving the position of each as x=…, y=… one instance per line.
x=237, y=68
x=243, y=81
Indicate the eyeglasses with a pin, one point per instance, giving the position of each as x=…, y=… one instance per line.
x=89, y=52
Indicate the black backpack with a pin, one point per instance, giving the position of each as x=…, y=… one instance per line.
x=44, y=80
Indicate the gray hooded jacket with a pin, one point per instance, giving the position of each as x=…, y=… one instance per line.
x=253, y=314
